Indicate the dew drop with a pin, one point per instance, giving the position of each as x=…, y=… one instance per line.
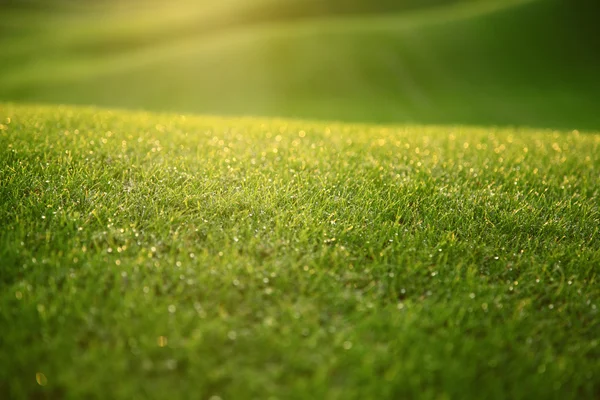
x=171, y=364
x=41, y=379
x=162, y=341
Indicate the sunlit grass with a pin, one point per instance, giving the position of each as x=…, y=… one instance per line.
x=171, y=257
x=461, y=63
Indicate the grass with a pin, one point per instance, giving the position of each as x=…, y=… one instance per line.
x=519, y=63
x=161, y=256
x=147, y=255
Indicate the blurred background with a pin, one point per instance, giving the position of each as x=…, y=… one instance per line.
x=484, y=62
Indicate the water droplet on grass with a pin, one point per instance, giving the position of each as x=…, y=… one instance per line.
x=41, y=379
x=171, y=364
x=541, y=369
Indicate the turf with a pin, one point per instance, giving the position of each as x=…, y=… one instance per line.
x=162, y=256
x=517, y=63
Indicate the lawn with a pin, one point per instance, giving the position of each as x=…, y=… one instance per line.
x=163, y=256
x=299, y=200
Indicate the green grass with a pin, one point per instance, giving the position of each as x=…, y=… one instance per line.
x=159, y=256
x=519, y=63
x=166, y=256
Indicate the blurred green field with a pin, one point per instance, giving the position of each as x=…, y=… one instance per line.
x=472, y=62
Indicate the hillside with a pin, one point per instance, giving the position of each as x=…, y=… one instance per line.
x=530, y=63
